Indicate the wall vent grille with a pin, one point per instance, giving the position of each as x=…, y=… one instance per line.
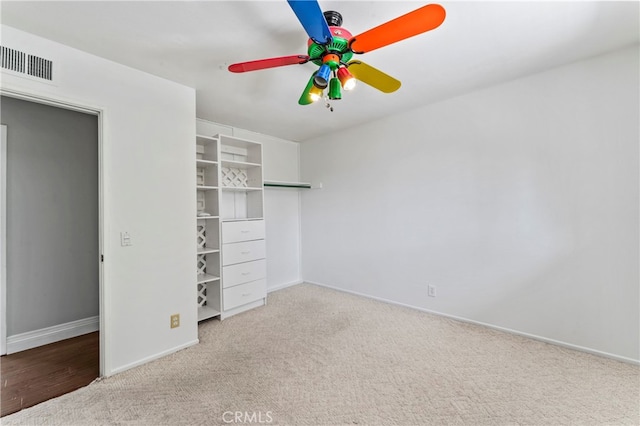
x=12, y=59
x=35, y=66
x=40, y=67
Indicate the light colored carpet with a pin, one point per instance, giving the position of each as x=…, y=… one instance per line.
x=315, y=356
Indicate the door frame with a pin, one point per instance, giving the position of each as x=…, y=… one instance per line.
x=87, y=109
x=3, y=239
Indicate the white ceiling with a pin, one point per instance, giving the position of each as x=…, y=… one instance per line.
x=478, y=45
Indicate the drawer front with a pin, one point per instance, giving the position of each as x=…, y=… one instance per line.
x=243, y=272
x=243, y=252
x=244, y=293
x=233, y=232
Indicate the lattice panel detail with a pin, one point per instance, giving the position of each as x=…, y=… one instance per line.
x=202, y=264
x=233, y=177
x=202, y=294
x=201, y=236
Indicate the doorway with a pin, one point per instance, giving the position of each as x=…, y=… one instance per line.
x=51, y=241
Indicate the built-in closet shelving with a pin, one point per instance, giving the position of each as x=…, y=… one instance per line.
x=208, y=227
x=230, y=226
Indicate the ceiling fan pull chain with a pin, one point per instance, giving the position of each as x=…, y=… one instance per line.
x=328, y=106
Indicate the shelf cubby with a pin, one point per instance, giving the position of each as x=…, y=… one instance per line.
x=241, y=204
x=207, y=201
x=206, y=148
x=206, y=174
x=241, y=179
x=206, y=312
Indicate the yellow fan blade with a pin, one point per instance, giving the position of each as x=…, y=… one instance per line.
x=373, y=77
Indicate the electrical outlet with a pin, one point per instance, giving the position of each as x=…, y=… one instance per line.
x=431, y=290
x=175, y=320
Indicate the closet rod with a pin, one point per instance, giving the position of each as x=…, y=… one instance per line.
x=298, y=185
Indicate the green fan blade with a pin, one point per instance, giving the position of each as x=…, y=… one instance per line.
x=305, y=98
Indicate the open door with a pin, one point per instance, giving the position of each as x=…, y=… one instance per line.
x=52, y=248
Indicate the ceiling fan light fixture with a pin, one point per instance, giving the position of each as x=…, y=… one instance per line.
x=332, y=60
x=315, y=93
x=334, y=89
x=330, y=47
x=347, y=80
x=321, y=80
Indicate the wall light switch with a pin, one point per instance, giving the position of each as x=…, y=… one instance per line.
x=125, y=239
x=431, y=290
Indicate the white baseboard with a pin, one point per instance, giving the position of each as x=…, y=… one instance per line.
x=151, y=358
x=44, y=336
x=494, y=327
x=285, y=285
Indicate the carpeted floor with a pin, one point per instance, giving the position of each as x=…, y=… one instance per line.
x=315, y=356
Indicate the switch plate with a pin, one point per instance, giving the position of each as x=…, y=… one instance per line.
x=431, y=290
x=125, y=239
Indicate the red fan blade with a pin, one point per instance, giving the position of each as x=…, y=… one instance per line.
x=261, y=64
x=413, y=23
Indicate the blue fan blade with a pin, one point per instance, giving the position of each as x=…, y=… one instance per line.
x=312, y=19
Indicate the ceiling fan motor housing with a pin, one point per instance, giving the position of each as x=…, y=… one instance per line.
x=339, y=46
x=333, y=18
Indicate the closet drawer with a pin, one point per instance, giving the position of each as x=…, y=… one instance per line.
x=233, y=232
x=244, y=293
x=243, y=272
x=243, y=252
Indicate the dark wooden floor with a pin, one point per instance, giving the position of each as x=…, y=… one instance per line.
x=36, y=375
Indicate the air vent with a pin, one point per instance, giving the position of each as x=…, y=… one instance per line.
x=12, y=59
x=35, y=66
x=40, y=67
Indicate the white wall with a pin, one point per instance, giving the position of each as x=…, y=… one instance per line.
x=148, y=129
x=518, y=202
x=282, y=206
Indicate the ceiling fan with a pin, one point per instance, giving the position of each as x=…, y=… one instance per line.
x=332, y=47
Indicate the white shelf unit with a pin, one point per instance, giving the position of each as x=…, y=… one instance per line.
x=241, y=182
x=243, y=251
x=208, y=262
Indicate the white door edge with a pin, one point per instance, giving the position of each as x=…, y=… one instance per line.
x=3, y=240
